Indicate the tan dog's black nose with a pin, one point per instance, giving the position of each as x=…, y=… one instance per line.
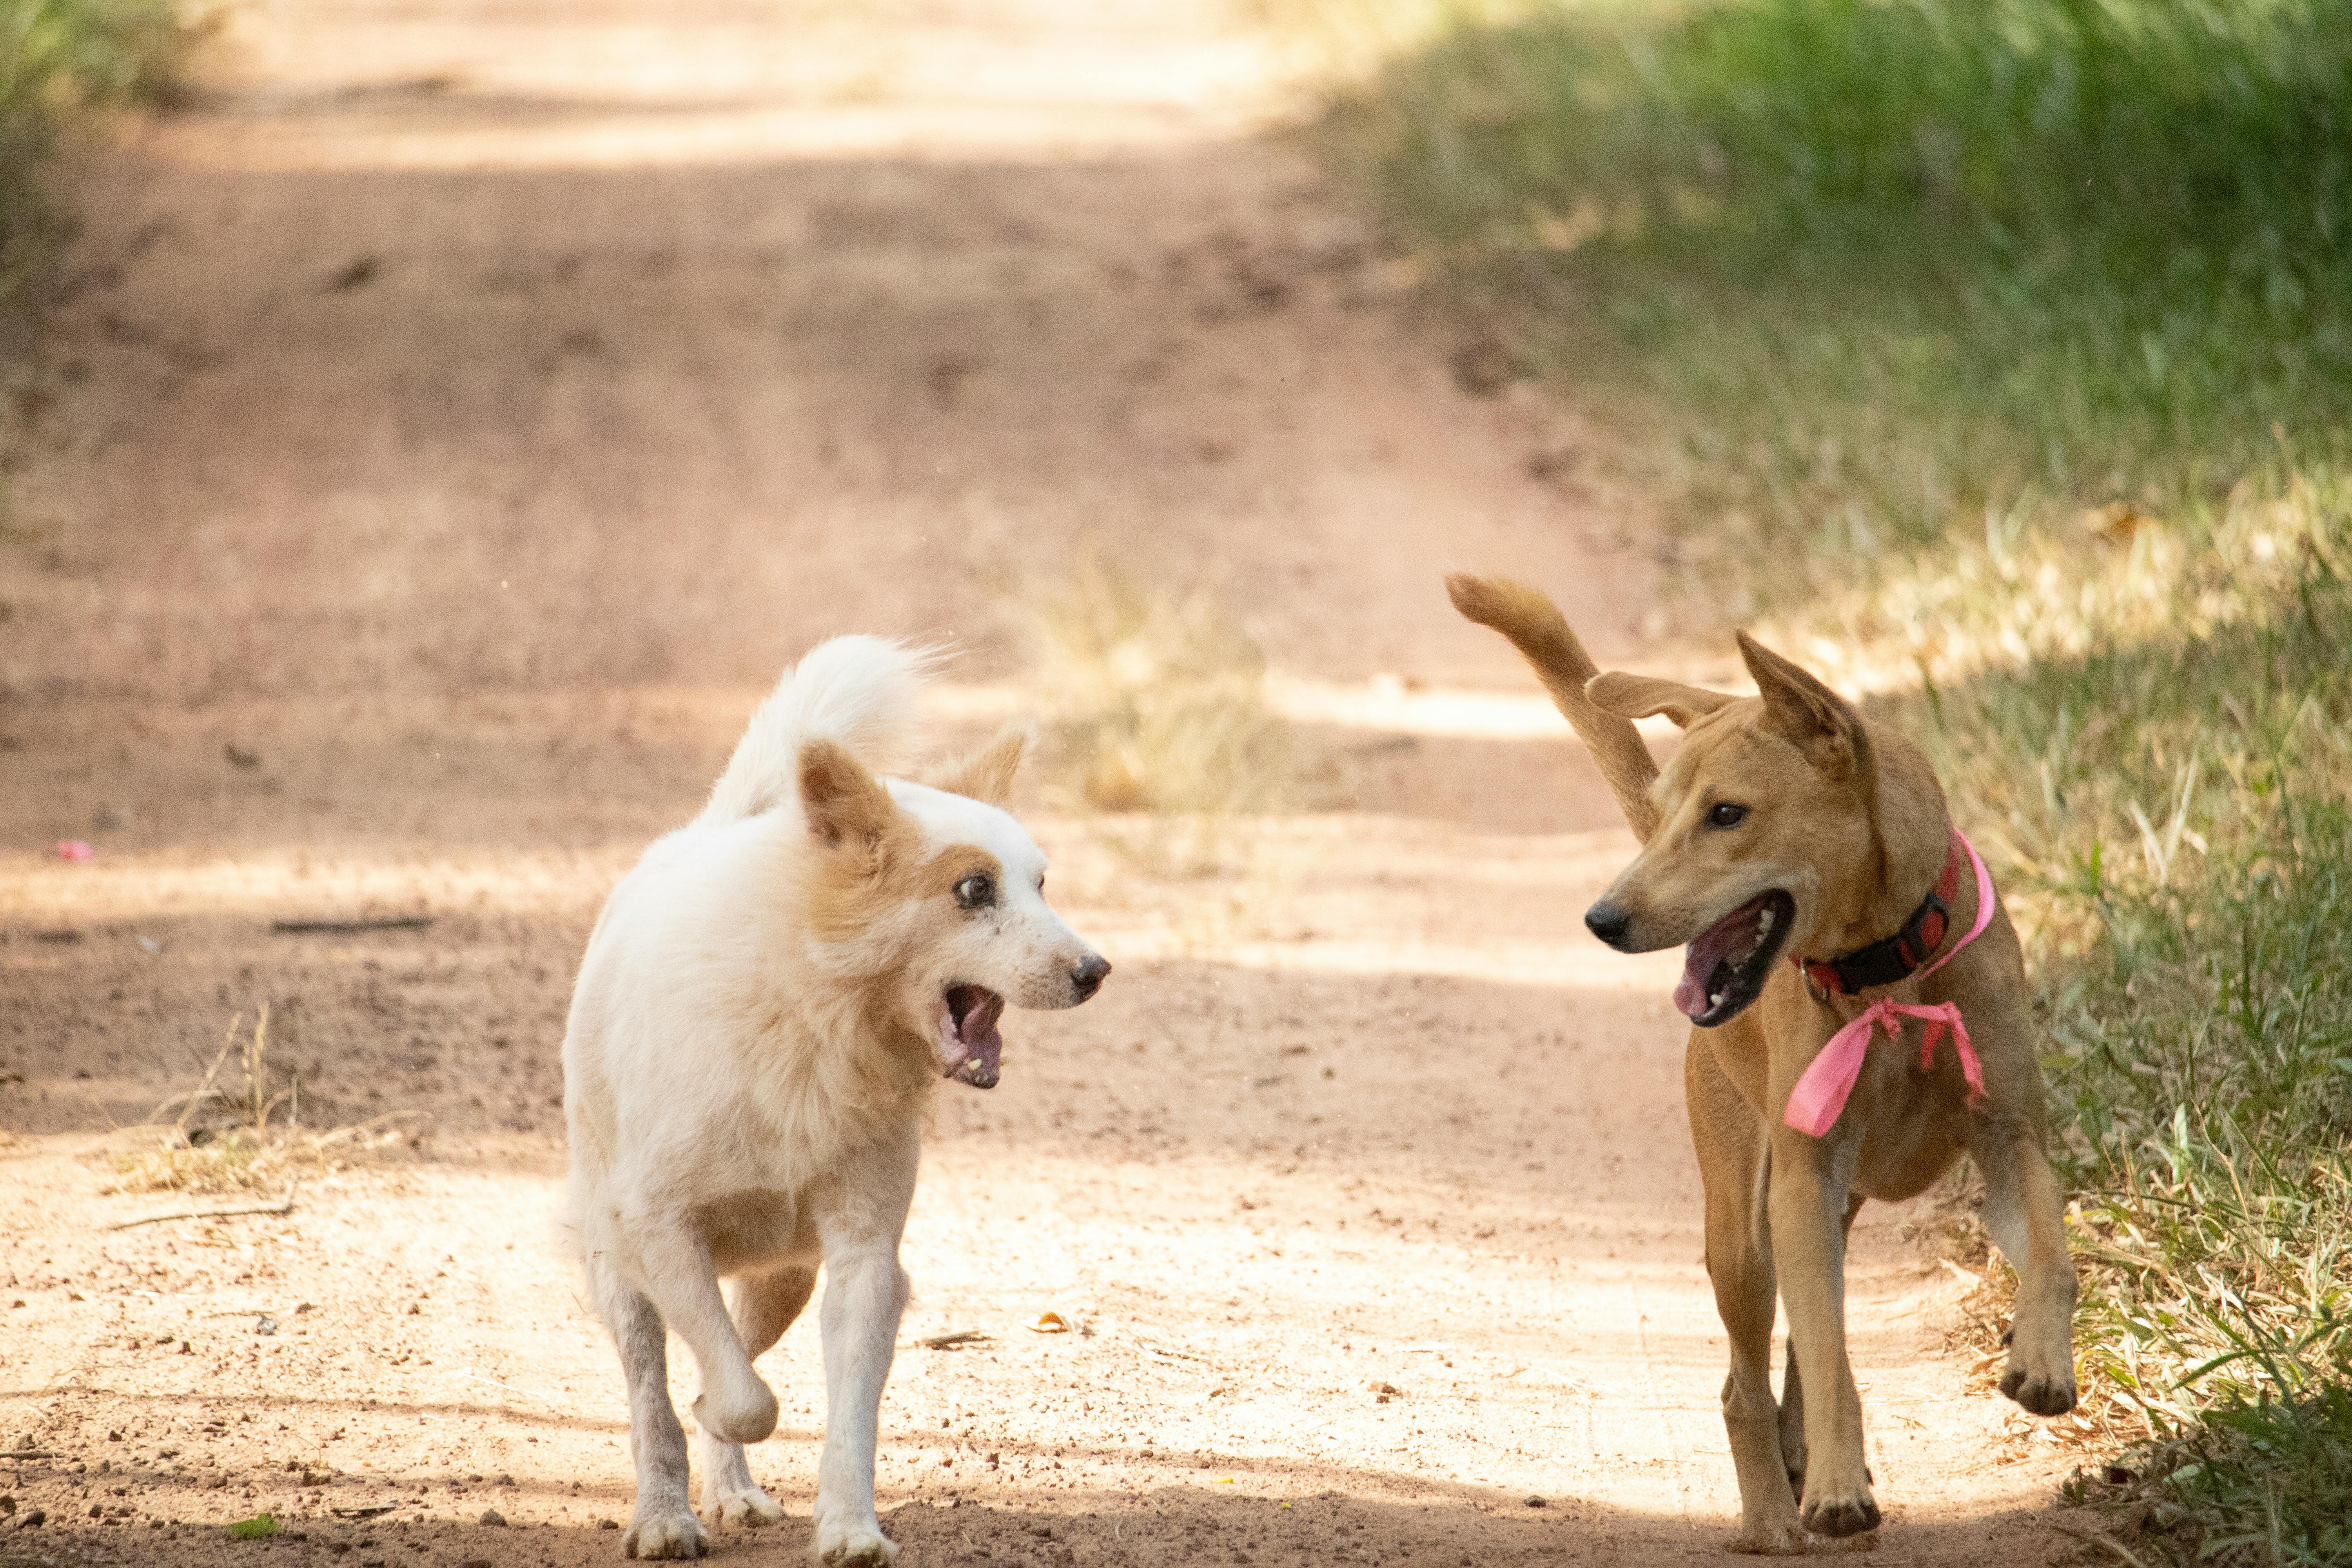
x=1608, y=923
x=1087, y=977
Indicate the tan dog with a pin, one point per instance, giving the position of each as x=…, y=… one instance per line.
x=1787, y=823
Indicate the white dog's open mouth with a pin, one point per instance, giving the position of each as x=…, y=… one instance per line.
x=970, y=1046
x=1725, y=966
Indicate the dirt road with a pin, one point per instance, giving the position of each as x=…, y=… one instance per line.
x=465, y=410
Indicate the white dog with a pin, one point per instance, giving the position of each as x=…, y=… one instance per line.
x=764, y=1006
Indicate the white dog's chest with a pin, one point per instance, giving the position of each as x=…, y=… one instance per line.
x=747, y=1231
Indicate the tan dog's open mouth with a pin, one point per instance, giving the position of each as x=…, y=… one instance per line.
x=1725, y=966
x=970, y=1046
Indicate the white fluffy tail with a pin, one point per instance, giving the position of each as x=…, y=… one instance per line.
x=858, y=691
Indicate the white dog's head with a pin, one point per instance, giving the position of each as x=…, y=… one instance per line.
x=937, y=897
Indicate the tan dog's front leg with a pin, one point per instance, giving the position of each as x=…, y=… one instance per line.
x=1730, y=1144
x=1807, y=1209
x=2025, y=1211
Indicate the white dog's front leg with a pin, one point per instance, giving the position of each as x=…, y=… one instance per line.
x=865, y=1293
x=735, y=1405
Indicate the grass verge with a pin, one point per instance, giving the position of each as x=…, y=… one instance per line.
x=2159, y=774
x=1860, y=267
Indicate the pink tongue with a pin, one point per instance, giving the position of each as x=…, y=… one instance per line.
x=980, y=1067
x=1690, y=994
x=984, y=1046
x=1735, y=932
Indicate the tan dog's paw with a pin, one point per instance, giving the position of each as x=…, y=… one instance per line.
x=1836, y=1511
x=663, y=1533
x=2044, y=1393
x=746, y=1416
x=743, y=1509
x=864, y=1547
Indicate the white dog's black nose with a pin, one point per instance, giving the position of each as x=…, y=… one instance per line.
x=1087, y=977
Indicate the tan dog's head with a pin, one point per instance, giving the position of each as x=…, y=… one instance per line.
x=1766, y=825
x=938, y=896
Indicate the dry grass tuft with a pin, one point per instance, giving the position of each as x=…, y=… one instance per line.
x=244, y=1162
x=222, y=1141
x=1155, y=703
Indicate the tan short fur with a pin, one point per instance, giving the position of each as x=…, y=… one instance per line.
x=1846, y=816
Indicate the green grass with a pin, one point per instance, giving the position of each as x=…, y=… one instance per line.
x=1877, y=263
x=2161, y=778
x=1882, y=296
x=58, y=60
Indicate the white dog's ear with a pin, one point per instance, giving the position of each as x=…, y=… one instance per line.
x=1640, y=696
x=987, y=775
x=843, y=803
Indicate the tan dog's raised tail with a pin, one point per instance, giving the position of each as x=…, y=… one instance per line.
x=1786, y=822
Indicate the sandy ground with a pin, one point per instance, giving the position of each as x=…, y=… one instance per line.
x=463, y=412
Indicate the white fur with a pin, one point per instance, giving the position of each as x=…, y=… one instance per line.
x=744, y=1097
x=858, y=690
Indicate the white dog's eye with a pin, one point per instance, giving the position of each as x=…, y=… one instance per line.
x=976, y=892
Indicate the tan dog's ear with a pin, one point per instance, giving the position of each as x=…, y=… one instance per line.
x=1801, y=707
x=1640, y=696
x=987, y=775
x=844, y=803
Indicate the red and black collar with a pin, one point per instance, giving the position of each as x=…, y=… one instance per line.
x=1898, y=957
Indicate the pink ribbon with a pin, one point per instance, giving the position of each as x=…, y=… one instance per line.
x=1821, y=1093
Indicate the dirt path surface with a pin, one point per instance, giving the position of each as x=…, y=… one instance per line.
x=463, y=411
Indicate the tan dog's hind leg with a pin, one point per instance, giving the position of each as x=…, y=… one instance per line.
x=1725, y=1131
x=1808, y=1213
x=2025, y=1211
x=764, y=1307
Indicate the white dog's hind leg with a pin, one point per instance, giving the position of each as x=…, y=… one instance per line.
x=764, y=1307
x=662, y=1524
x=735, y=1405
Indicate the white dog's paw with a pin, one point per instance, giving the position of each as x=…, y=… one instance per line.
x=863, y=1546
x=746, y=1414
x=747, y=1509
x=665, y=1532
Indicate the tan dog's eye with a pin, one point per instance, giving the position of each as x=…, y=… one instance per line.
x=1727, y=816
x=976, y=892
